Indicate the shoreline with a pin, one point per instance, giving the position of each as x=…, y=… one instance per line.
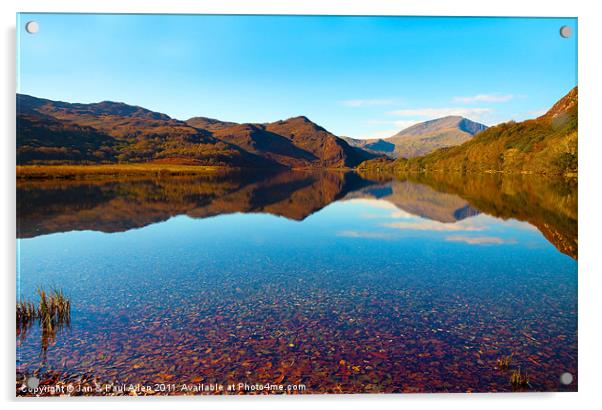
x=396, y=174
x=80, y=171
x=112, y=170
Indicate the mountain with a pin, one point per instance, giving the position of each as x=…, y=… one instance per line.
x=329, y=150
x=544, y=145
x=210, y=124
x=419, y=200
x=115, y=205
x=50, y=132
x=422, y=138
x=564, y=108
x=55, y=132
x=292, y=142
x=378, y=146
x=426, y=137
x=549, y=204
x=255, y=139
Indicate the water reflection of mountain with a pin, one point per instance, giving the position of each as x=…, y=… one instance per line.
x=48, y=206
x=549, y=204
x=420, y=200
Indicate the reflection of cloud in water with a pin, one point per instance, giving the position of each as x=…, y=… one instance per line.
x=479, y=240
x=399, y=214
x=374, y=203
x=426, y=225
x=381, y=204
x=418, y=200
x=120, y=204
x=365, y=234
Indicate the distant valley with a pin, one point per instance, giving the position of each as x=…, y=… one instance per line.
x=423, y=138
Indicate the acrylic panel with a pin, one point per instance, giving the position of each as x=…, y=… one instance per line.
x=213, y=204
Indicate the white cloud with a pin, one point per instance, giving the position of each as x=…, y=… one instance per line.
x=442, y=112
x=389, y=132
x=366, y=103
x=365, y=234
x=399, y=124
x=479, y=240
x=374, y=203
x=429, y=225
x=484, y=98
x=396, y=213
x=377, y=135
x=383, y=134
x=400, y=214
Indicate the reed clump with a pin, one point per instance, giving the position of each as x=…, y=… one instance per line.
x=52, y=312
x=27, y=313
x=503, y=363
x=518, y=379
x=54, y=308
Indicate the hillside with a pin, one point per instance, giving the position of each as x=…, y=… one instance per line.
x=549, y=204
x=329, y=150
x=419, y=200
x=118, y=204
x=293, y=142
x=210, y=124
x=256, y=140
x=54, y=132
x=545, y=145
x=423, y=138
x=378, y=146
x=428, y=136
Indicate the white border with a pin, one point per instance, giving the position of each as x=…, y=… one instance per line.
x=590, y=199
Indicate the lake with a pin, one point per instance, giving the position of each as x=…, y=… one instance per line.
x=326, y=282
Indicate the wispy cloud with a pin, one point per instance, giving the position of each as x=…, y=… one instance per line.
x=374, y=203
x=400, y=124
x=441, y=112
x=365, y=234
x=395, y=213
x=484, y=98
x=428, y=225
x=374, y=135
x=367, y=103
x=395, y=127
x=479, y=240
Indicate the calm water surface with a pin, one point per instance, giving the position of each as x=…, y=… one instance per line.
x=337, y=282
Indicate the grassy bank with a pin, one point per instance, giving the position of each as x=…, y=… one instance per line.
x=111, y=170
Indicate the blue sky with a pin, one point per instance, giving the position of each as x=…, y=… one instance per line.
x=356, y=76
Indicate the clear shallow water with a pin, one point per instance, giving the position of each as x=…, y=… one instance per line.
x=331, y=281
